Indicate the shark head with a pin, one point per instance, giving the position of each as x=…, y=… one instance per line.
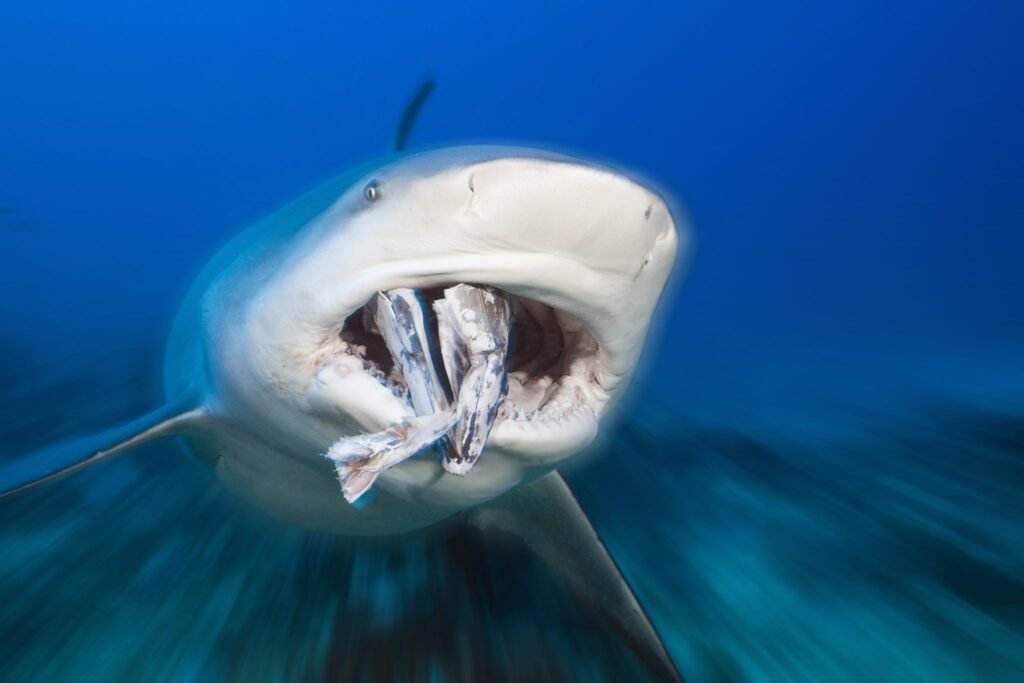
x=580, y=252
x=533, y=277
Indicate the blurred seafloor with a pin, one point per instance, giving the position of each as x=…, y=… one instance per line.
x=881, y=546
x=818, y=477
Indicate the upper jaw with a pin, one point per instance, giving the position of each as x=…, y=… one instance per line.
x=607, y=303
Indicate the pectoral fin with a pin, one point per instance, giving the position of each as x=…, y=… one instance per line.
x=546, y=517
x=22, y=474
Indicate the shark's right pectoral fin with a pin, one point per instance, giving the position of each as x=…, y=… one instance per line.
x=25, y=473
x=546, y=516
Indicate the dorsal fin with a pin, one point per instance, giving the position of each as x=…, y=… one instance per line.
x=412, y=112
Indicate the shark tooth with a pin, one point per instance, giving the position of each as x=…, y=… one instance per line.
x=473, y=329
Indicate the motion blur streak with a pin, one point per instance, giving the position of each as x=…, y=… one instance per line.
x=147, y=570
x=894, y=555
x=888, y=550
x=854, y=176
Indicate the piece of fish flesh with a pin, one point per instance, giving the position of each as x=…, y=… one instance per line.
x=359, y=460
x=473, y=328
x=401, y=317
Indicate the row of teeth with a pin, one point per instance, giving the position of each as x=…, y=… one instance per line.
x=473, y=330
x=395, y=382
x=538, y=398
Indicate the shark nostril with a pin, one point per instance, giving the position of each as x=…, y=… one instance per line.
x=472, y=193
x=647, y=213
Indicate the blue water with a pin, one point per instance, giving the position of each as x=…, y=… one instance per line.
x=818, y=474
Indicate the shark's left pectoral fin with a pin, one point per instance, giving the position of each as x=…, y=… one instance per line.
x=25, y=473
x=546, y=516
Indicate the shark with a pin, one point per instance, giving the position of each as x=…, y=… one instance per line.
x=422, y=339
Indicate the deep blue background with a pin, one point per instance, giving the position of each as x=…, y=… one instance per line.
x=853, y=173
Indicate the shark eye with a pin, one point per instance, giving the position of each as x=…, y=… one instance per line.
x=372, y=191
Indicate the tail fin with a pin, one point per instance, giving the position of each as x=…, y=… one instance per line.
x=546, y=517
x=67, y=457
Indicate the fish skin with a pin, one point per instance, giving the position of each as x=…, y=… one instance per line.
x=453, y=353
x=474, y=324
x=401, y=317
x=359, y=460
x=474, y=347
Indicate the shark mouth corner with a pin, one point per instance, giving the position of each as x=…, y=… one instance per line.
x=466, y=360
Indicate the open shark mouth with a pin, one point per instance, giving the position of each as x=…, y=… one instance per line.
x=464, y=358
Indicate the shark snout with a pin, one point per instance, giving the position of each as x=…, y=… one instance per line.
x=605, y=221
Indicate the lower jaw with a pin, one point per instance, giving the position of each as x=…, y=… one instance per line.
x=523, y=444
x=515, y=455
x=371, y=407
x=546, y=442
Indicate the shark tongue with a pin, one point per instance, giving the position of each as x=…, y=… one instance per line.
x=473, y=327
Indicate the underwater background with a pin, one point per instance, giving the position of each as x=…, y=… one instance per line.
x=819, y=473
